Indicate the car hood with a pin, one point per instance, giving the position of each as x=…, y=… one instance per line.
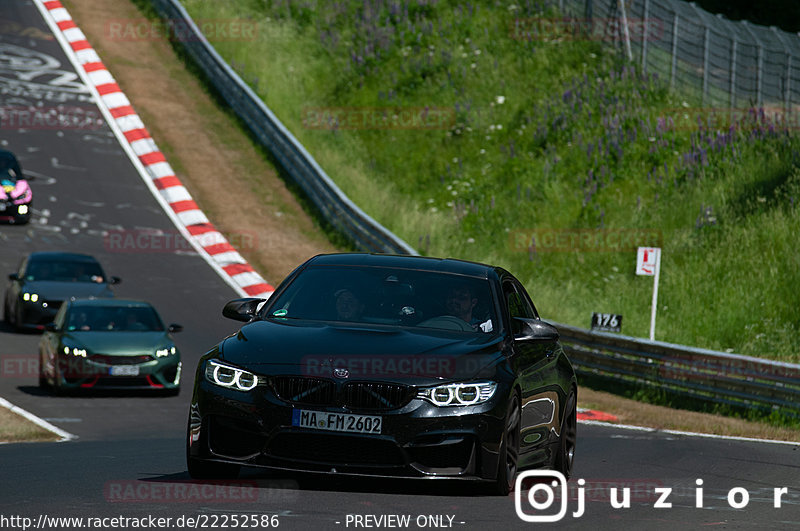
x=118, y=343
x=61, y=291
x=371, y=353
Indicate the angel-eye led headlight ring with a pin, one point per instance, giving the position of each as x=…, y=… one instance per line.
x=228, y=376
x=459, y=394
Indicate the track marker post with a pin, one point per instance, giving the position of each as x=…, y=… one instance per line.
x=648, y=263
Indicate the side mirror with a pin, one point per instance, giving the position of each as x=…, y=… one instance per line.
x=51, y=327
x=115, y=280
x=174, y=328
x=13, y=276
x=242, y=309
x=534, y=329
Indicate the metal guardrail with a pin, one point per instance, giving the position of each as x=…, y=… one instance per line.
x=335, y=207
x=731, y=379
x=697, y=373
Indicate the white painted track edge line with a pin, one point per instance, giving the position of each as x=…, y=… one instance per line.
x=65, y=436
x=685, y=433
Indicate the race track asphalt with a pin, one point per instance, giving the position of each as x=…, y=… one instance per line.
x=128, y=458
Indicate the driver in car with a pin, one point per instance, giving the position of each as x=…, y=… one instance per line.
x=460, y=302
x=348, y=306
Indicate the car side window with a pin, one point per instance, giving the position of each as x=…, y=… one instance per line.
x=530, y=312
x=515, y=306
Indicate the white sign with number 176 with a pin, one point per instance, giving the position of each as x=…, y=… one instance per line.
x=648, y=263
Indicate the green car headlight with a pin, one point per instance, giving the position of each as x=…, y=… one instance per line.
x=166, y=351
x=460, y=394
x=79, y=352
x=228, y=376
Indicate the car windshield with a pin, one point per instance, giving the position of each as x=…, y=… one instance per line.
x=388, y=296
x=64, y=271
x=113, y=319
x=8, y=177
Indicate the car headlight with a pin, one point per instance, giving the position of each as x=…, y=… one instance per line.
x=227, y=376
x=81, y=352
x=33, y=297
x=24, y=195
x=160, y=353
x=460, y=394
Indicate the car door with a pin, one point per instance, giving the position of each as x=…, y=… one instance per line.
x=534, y=360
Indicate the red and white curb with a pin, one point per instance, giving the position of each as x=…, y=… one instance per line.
x=599, y=416
x=149, y=160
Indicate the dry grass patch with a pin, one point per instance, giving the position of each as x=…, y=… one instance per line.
x=663, y=418
x=15, y=428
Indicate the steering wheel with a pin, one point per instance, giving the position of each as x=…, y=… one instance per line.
x=447, y=322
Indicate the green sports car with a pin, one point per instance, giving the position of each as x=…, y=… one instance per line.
x=109, y=344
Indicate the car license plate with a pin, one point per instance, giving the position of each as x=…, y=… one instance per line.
x=345, y=422
x=124, y=370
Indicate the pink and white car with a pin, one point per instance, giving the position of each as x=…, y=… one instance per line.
x=16, y=195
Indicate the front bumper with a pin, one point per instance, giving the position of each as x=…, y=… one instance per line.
x=118, y=372
x=14, y=210
x=418, y=440
x=34, y=315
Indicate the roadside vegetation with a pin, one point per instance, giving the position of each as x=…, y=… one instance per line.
x=532, y=138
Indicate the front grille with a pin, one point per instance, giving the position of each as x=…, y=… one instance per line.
x=123, y=381
x=119, y=360
x=311, y=391
x=354, y=395
x=335, y=449
x=367, y=395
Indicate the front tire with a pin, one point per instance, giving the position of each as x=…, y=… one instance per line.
x=508, y=457
x=565, y=459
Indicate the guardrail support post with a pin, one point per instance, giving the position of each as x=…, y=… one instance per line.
x=674, y=67
x=706, y=39
x=645, y=33
x=733, y=73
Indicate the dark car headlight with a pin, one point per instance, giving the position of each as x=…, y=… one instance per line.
x=74, y=351
x=228, y=376
x=459, y=394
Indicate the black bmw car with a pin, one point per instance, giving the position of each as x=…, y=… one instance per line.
x=44, y=280
x=392, y=366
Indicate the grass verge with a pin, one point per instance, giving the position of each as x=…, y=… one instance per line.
x=15, y=428
x=551, y=140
